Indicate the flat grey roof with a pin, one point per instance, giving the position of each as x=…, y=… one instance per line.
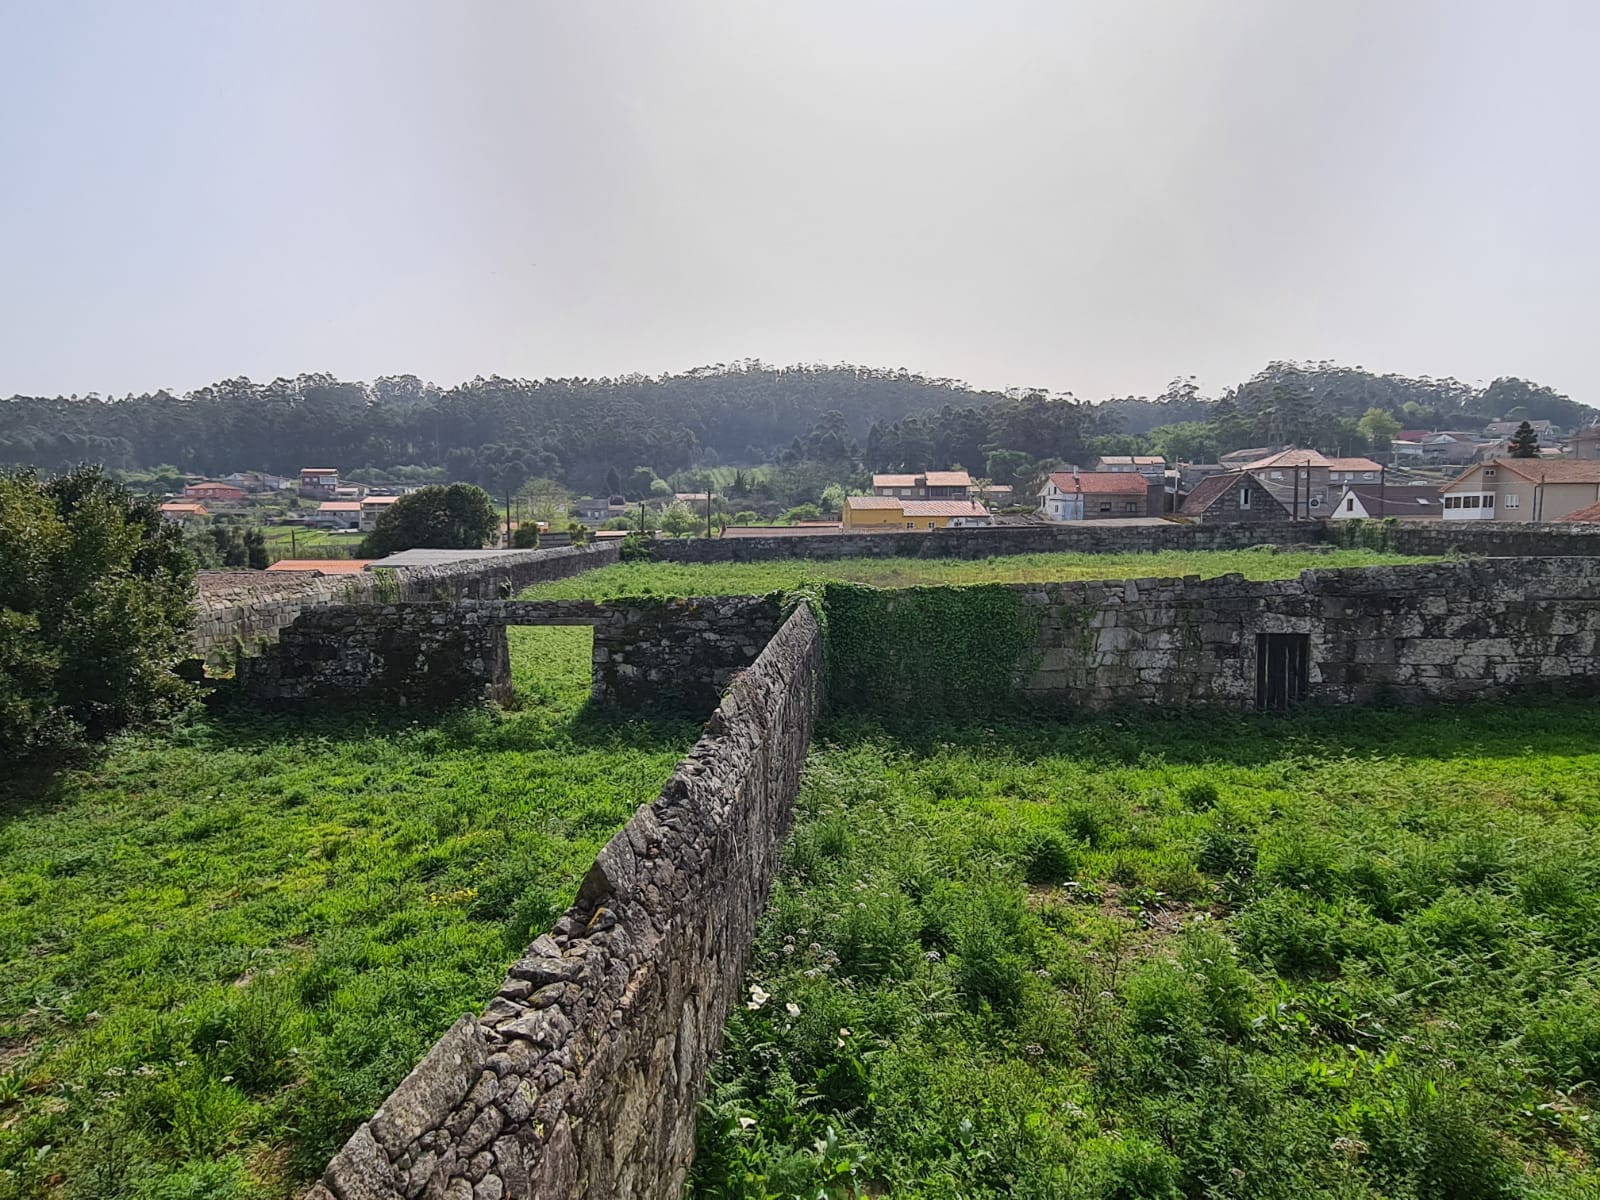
x=438, y=558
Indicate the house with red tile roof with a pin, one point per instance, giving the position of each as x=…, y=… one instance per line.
x=1097, y=495
x=1522, y=489
x=878, y=513
x=926, y=485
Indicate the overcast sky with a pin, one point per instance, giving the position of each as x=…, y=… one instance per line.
x=1087, y=197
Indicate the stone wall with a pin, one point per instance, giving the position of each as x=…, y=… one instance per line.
x=584, y=1075
x=986, y=543
x=250, y=607
x=1442, y=631
x=672, y=654
x=1494, y=539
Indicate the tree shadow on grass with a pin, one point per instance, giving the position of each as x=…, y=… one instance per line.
x=1469, y=729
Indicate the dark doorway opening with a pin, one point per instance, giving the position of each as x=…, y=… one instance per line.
x=1282, y=670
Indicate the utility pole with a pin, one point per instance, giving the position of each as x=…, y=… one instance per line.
x=1294, y=510
x=641, y=516
x=508, y=518
x=708, y=510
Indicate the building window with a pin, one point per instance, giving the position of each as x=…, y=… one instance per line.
x=930, y=525
x=1130, y=506
x=1350, y=504
x=1489, y=473
x=1244, y=497
x=911, y=524
x=1470, y=501
x=1105, y=506
x=1513, y=501
x=1277, y=474
x=1452, y=501
x=1488, y=501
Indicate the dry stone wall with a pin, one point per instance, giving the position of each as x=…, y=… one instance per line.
x=1442, y=631
x=989, y=542
x=250, y=607
x=584, y=1075
x=669, y=654
x=1494, y=539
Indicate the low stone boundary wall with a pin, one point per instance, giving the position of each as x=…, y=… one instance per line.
x=991, y=542
x=1494, y=539
x=250, y=607
x=584, y=1076
x=1430, y=632
x=1438, y=631
x=668, y=654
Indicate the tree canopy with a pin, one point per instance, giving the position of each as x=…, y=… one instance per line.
x=94, y=606
x=458, y=517
x=819, y=424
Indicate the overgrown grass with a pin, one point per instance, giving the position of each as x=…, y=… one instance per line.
x=1351, y=954
x=715, y=579
x=279, y=537
x=221, y=947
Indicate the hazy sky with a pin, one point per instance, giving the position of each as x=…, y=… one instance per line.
x=1091, y=197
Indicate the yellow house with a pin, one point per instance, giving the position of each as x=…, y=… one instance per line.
x=874, y=513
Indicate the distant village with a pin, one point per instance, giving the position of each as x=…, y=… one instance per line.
x=1428, y=475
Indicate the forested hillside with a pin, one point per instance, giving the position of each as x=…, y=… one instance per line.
x=498, y=432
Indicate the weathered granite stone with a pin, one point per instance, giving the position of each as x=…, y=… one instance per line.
x=437, y=1084
x=596, y=1094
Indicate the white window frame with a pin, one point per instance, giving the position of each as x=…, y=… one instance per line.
x=1513, y=501
x=1244, y=497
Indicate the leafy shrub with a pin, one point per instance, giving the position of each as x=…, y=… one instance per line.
x=990, y=968
x=94, y=605
x=1462, y=921
x=1048, y=857
x=1159, y=999
x=1227, y=849
x=1428, y=1142
x=1199, y=796
x=1126, y=1168
x=458, y=517
x=1225, y=988
x=1302, y=859
x=636, y=547
x=525, y=537
x=1088, y=823
x=877, y=935
x=1566, y=1036
x=1299, y=935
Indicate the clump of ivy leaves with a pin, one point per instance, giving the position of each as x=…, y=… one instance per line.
x=925, y=650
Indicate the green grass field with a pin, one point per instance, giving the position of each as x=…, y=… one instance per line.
x=714, y=579
x=279, y=537
x=222, y=946
x=1351, y=954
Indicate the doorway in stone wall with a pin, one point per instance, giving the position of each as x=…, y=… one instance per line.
x=1283, y=663
x=550, y=665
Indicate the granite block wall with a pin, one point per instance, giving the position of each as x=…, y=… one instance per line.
x=252, y=606
x=675, y=655
x=1442, y=631
x=990, y=542
x=1495, y=539
x=584, y=1075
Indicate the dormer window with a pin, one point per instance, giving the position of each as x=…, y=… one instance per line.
x=1488, y=473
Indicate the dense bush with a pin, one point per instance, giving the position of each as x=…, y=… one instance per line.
x=458, y=517
x=94, y=604
x=525, y=537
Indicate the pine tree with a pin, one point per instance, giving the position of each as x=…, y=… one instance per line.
x=1525, y=442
